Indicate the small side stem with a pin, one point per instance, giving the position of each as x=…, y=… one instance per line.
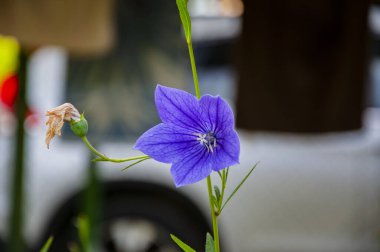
x=105, y=158
x=194, y=69
x=213, y=216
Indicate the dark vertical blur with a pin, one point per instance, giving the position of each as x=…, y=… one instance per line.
x=92, y=205
x=15, y=242
x=303, y=65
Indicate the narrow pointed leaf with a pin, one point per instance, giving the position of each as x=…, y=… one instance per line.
x=185, y=18
x=217, y=191
x=47, y=244
x=215, y=202
x=226, y=173
x=217, y=195
x=238, y=187
x=209, y=243
x=220, y=174
x=181, y=244
x=135, y=163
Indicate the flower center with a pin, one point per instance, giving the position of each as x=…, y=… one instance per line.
x=208, y=140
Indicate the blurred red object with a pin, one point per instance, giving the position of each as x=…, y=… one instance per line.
x=8, y=96
x=8, y=91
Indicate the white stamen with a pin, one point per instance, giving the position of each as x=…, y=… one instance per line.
x=208, y=140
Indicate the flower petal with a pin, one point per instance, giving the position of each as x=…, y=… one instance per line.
x=166, y=143
x=194, y=167
x=217, y=112
x=227, y=151
x=178, y=107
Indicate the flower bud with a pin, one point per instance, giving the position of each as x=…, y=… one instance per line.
x=79, y=127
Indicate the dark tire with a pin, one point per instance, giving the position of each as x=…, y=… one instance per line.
x=138, y=217
x=2, y=245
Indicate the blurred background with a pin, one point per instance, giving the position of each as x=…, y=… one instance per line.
x=302, y=77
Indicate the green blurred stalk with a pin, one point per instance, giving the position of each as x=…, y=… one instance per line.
x=92, y=202
x=16, y=218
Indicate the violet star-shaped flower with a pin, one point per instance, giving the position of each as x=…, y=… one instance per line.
x=195, y=136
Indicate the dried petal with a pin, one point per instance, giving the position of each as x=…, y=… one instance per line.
x=57, y=116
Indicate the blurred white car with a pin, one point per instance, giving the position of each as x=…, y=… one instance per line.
x=309, y=193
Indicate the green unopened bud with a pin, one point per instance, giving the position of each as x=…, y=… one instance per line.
x=79, y=127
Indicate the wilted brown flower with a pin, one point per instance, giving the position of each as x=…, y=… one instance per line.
x=57, y=116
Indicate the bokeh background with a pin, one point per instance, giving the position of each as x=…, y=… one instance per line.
x=303, y=78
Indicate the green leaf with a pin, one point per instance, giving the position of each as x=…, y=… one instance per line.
x=224, y=180
x=218, y=196
x=47, y=244
x=181, y=244
x=226, y=174
x=185, y=18
x=217, y=192
x=135, y=163
x=209, y=243
x=220, y=175
x=215, y=201
x=238, y=187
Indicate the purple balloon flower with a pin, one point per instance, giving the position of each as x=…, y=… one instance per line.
x=195, y=136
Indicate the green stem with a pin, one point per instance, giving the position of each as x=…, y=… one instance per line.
x=213, y=216
x=105, y=158
x=194, y=69
x=209, y=184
